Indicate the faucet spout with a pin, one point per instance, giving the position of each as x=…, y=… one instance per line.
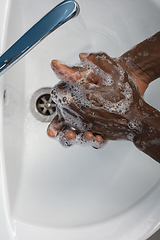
x=50, y=22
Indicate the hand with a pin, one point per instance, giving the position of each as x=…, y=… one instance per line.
x=96, y=102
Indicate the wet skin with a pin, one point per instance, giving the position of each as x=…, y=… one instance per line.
x=102, y=100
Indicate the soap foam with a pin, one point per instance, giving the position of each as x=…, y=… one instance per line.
x=87, y=95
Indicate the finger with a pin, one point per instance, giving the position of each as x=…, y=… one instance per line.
x=102, y=60
x=98, y=142
x=70, y=135
x=74, y=74
x=99, y=139
x=54, y=127
x=67, y=74
x=67, y=138
x=96, y=57
x=88, y=136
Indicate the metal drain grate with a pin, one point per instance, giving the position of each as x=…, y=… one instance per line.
x=42, y=106
x=45, y=105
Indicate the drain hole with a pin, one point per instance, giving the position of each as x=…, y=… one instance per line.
x=42, y=106
x=45, y=105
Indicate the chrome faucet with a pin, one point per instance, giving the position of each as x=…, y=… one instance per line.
x=50, y=22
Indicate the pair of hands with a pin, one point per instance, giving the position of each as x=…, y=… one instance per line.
x=96, y=102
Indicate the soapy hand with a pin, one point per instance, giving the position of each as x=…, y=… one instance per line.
x=102, y=99
x=96, y=102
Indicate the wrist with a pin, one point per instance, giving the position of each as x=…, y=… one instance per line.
x=143, y=61
x=148, y=139
x=137, y=75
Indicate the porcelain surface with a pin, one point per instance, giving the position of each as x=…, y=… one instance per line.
x=78, y=193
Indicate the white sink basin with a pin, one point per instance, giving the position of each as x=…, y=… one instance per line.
x=77, y=193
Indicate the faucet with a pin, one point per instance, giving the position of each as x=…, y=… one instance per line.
x=60, y=14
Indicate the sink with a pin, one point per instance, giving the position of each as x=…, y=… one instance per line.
x=78, y=192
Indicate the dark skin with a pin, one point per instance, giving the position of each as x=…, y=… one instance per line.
x=102, y=100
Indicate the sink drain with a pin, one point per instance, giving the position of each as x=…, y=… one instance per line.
x=45, y=105
x=42, y=106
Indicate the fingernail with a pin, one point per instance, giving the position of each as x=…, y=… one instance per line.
x=70, y=135
x=54, y=64
x=52, y=132
x=88, y=136
x=99, y=139
x=83, y=55
x=98, y=142
x=67, y=139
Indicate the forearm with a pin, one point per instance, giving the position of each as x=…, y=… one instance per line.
x=143, y=61
x=148, y=140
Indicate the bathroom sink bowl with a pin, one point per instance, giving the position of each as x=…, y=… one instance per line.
x=77, y=193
